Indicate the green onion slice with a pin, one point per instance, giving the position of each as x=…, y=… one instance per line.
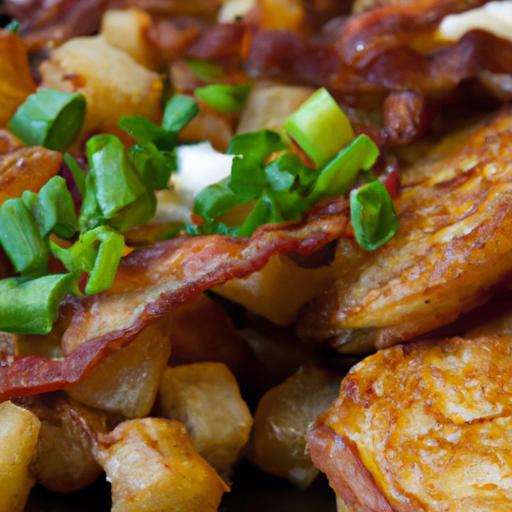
x=49, y=118
x=320, y=127
x=12, y=26
x=224, y=98
x=145, y=131
x=373, y=215
x=178, y=112
x=205, y=70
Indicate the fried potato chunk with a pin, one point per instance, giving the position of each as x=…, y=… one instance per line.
x=127, y=381
x=206, y=398
x=114, y=84
x=153, y=468
x=23, y=168
x=452, y=249
x=15, y=79
x=19, y=429
x=422, y=427
x=64, y=461
x=282, y=420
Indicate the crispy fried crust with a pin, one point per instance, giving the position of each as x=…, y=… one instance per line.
x=425, y=426
x=452, y=249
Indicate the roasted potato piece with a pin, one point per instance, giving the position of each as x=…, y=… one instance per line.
x=279, y=290
x=127, y=381
x=15, y=79
x=452, y=248
x=282, y=420
x=64, y=461
x=23, y=168
x=126, y=30
x=19, y=429
x=206, y=398
x=422, y=427
x=153, y=468
x=114, y=84
x=269, y=105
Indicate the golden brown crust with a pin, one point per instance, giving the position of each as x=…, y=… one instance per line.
x=452, y=249
x=430, y=423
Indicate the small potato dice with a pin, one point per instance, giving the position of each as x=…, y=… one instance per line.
x=114, y=84
x=19, y=429
x=64, y=461
x=153, y=468
x=127, y=381
x=206, y=398
x=282, y=420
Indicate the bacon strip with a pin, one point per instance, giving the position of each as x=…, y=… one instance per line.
x=153, y=281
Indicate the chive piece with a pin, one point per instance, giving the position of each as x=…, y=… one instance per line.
x=77, y=172
x=178, y=112
x=215, y=200
x=144, y=131
x=264, y=211
x=205, y=70
x=53, y=210
x=116, y=182
x=373, y=215
x=320, y=127
x=12, y=26
x=90, y=212
x=155, y=167
x=49, y=118
x=136, y=214
x=224, y=98
x=341, y=172
x=20, y=238
x=31, y=307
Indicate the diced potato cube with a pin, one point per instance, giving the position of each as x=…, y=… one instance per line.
x=19, y=429
x=283, y=418
x=15, y=79
x=153, y=468
x=127, y=381
x=279, y=290
x=114, y=84
x=126, y=29
x=269, y=105
x=64, y=461
x=206, y=398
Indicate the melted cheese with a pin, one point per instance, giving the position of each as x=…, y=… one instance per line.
x=494, y=17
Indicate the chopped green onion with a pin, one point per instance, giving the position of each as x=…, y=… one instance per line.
x=77, y=172
x=155, y=167
x=90, y=213
x=144, y=131
x=282, y=172
x=12, y=26
x=49, y=118
x=178, y=112
x=373, y=216
x=136, y=214
x=224, y=98
x=215, y=200
x=20, y=238
x=53, y=208
x=205, y=70
x=320, y=127
x=264, y=211
x=341, y=172
x=31, y=307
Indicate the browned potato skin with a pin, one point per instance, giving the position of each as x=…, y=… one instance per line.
x=15, y=79
x=206, y=398
x=452, y=249
x=282, y=420
x=153, y=468
x=422, y=427
x=64, y=461
x=23, y=168
x=127, y=381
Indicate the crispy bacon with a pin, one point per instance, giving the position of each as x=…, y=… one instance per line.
x=153, y=281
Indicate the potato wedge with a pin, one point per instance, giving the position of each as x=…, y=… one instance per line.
x=452, y=249
x=282, y=420
x=153, y=468
x=64, y=461
x=15, y=79
x=114, y=84
x=126, y=30
x=206, y=398
x=127, y=381
x=424, y=426
x=19, y=430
